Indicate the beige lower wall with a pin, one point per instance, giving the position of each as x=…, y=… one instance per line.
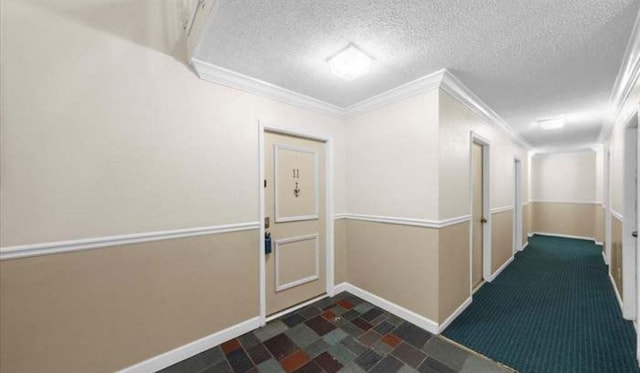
x=616, y=252
x=573, y=219
x=106, y=309
x=340, y=251
x=501, y=238
x=421, y=269
x=396, y=262
x=599, y=224
x=453, y=269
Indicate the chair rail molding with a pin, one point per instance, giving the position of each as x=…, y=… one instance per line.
x=58, y=247
x=414, y=222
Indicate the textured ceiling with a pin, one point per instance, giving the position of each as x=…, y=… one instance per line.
x=526, y=59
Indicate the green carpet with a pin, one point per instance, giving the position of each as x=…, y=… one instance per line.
x=553, y=309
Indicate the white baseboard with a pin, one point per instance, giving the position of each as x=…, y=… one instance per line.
x=599, y=243
x=443, y=325
x=193, y=348
x=502, y=267
x=565, y=236
x=524, y=246
x=340, y=288
x=421, y=321
x=615, y=289
x=295, y=308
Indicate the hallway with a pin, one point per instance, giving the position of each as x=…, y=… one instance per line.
x=175, y=175
x=338, y=334
x=552, y=310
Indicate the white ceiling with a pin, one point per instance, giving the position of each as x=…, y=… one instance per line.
x=525, y=59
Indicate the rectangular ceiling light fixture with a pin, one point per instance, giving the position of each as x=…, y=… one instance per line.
x=350, y=63
x=551, y=123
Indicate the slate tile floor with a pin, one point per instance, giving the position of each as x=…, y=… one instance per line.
x=339, y=334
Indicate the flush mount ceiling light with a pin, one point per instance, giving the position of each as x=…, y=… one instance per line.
x=350, y=63
x=551, y=124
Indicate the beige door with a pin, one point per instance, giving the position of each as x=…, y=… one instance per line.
x=477, y=217
x=295, y=208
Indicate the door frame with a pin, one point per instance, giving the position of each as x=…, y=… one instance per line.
x=607, y=206
x=486, y=208
x=264, y=127
x=637, y=228
x=517, y=205
x=629, y=196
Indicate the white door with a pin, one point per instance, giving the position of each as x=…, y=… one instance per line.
x=477, y=215
x=517, y=206
x=635, y=227
x=629, y=225
x=295, y=220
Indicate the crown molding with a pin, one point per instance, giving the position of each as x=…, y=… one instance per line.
x=462, y=93
x=442, y=79
x=625, y=81
x=230, y=78
x=407, y=90
x=590, y=147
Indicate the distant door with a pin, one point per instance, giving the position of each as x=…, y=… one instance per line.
x=294, y=207
x=477, y=216
x=629, y=225
x=517, y=207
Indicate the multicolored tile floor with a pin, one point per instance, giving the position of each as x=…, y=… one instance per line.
x=338, y=334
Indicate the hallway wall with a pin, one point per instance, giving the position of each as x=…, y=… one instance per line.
x=424, y=154
x=107, y=132
x=456, y=123
x=392, y=170
x=615, y=144
x=565, y=196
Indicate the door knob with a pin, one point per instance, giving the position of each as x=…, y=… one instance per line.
x=483, y=221
x=634, y=234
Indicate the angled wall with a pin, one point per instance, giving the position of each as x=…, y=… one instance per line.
x=457, y=121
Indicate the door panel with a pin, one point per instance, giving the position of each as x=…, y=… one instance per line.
x=476, y=214
x=294, y=203
x=517, y=208
x=296, y=261
x=296, y=183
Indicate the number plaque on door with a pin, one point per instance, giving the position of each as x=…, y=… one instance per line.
x=296, y=169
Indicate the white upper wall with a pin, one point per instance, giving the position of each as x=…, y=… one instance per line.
x=106, y=131
x=599, y=173
x=616, y=148
x=456, y=124
x=392, y=159
x=565, y=177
